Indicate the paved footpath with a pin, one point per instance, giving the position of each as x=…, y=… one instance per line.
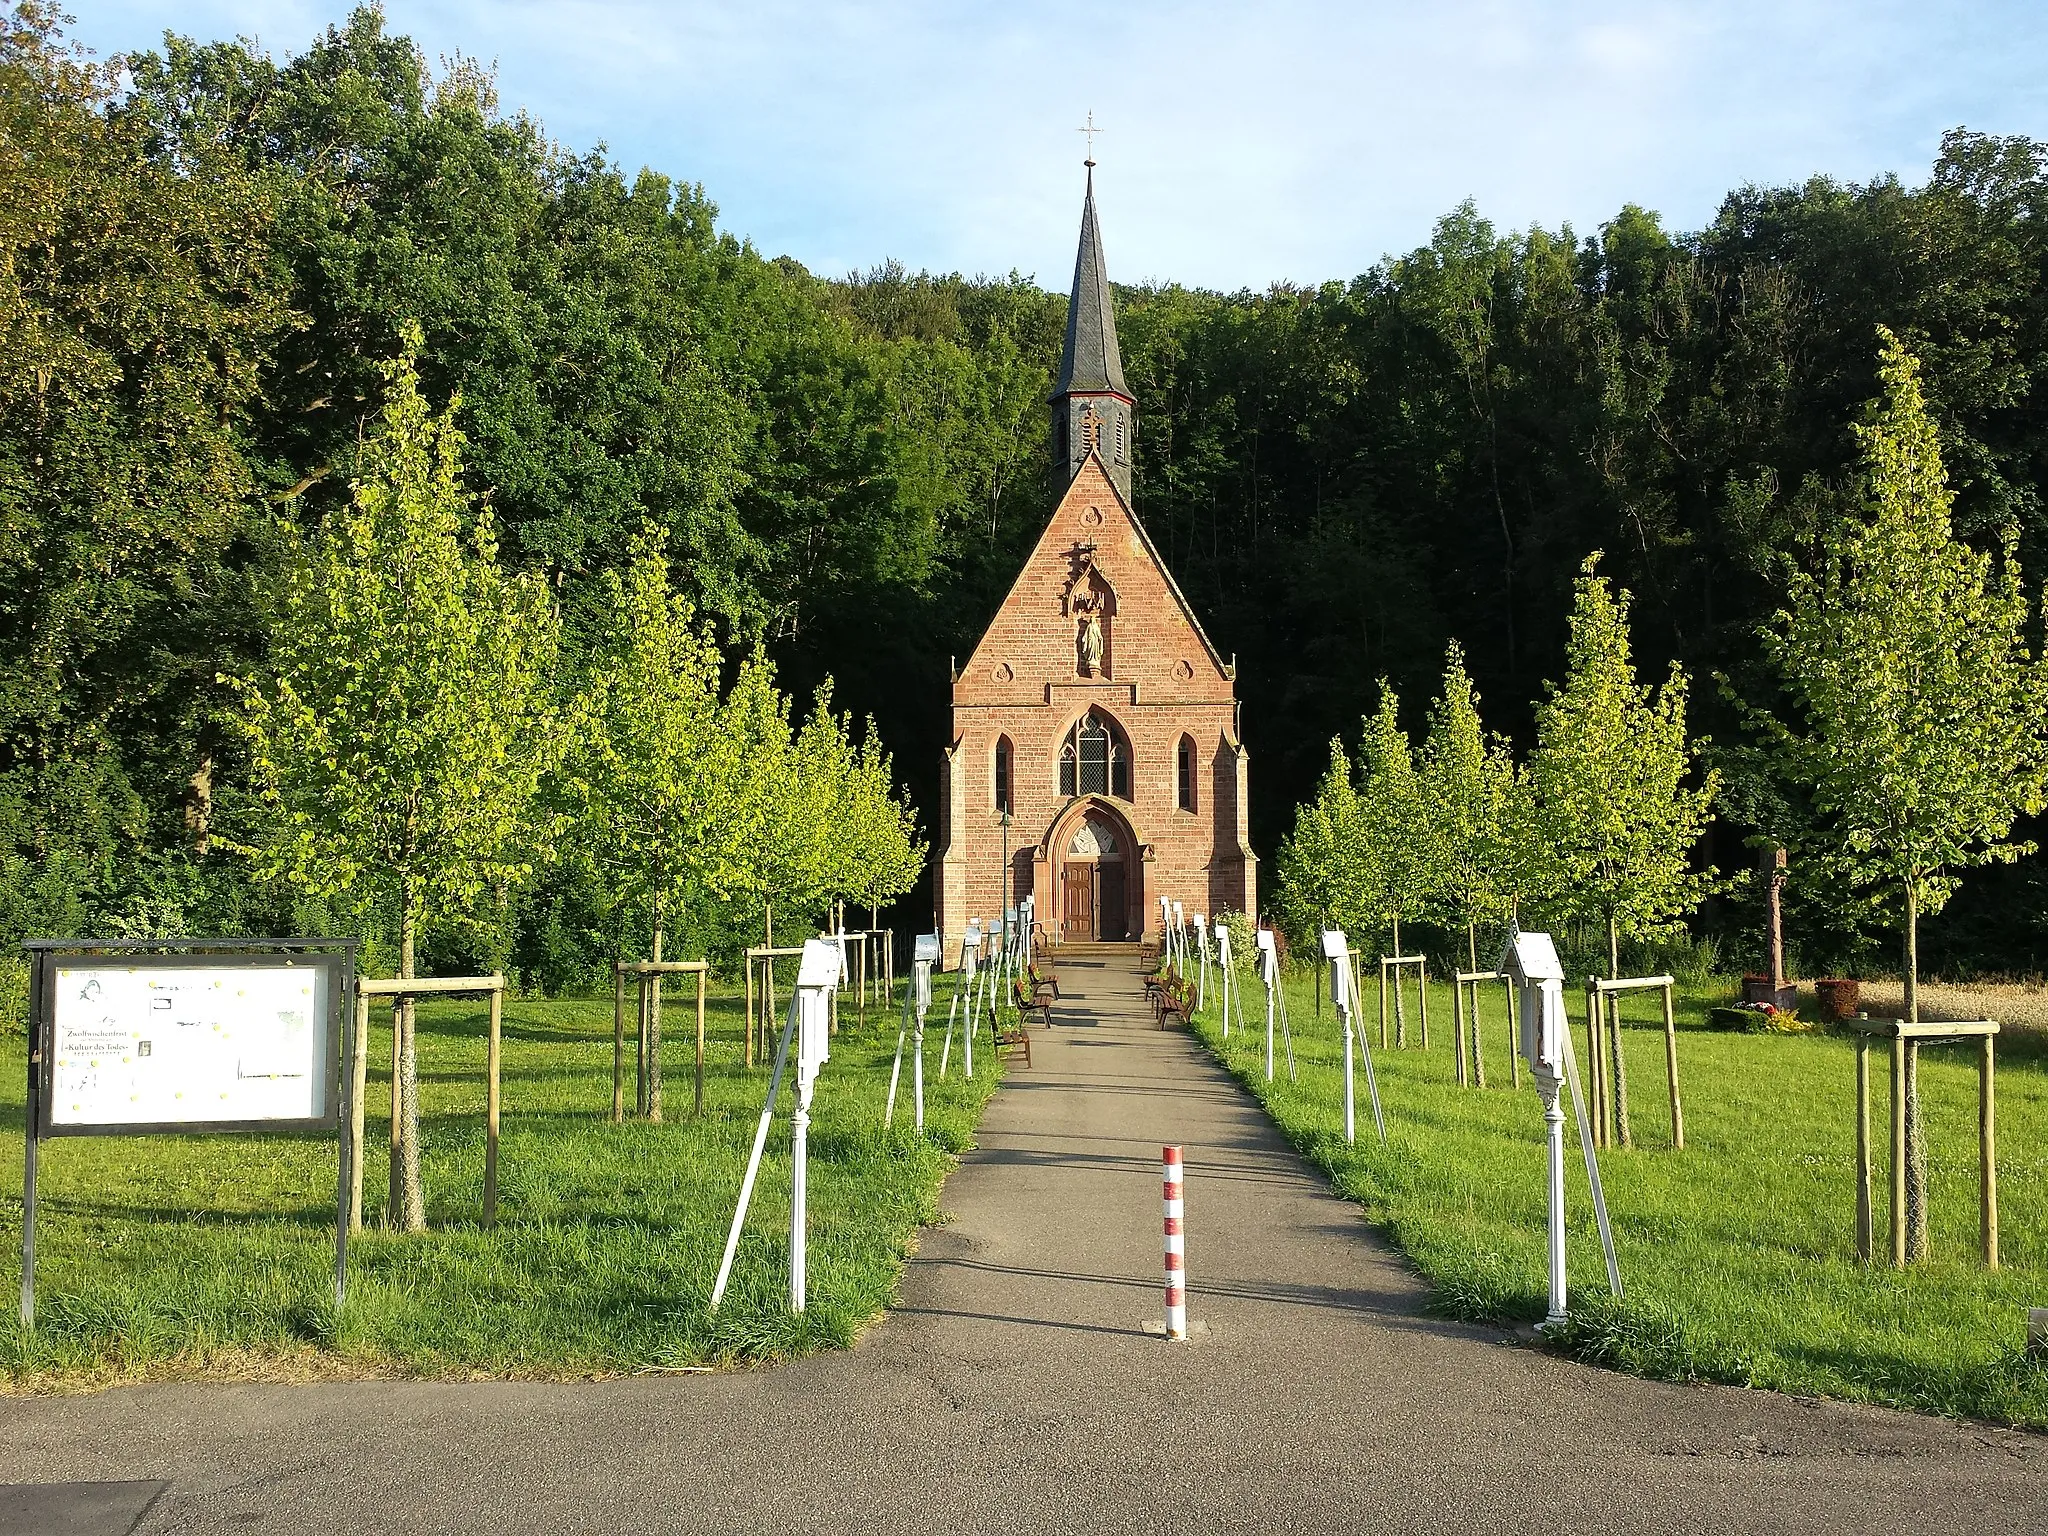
x=1014, y=1390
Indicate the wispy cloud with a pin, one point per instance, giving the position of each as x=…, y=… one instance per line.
x=1287, y=141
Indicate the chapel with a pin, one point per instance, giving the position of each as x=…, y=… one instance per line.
x=1095, y=754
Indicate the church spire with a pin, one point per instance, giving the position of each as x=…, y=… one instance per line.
x=1092, y=406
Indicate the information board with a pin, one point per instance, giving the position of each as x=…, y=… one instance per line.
x=194, y=1045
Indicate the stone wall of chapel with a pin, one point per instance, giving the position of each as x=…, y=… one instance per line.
x=1159, y=681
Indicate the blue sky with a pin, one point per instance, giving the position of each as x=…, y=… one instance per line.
x=1242, y=143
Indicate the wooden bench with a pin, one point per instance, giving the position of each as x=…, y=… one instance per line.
x=1174, y=999
x=1028, y=996
x=1012, y=1035
x=1044, y=978
x=1154, y=982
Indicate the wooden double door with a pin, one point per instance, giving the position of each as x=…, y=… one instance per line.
x=1092, y=901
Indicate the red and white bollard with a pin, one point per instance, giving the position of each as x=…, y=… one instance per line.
x=1176, y=1249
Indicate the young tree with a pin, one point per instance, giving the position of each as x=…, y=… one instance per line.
x=886, y=854
x=1469, y=791
x=664, y=779
x=1924, y=708
x=1396, y=855
x=1318, y=876
x=405, y=722
x=1614, y=818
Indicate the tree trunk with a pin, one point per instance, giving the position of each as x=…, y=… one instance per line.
x=1472, y=944
x=1912, y=952
x=1400, y=1011
x=414, y=1205
x=654, y=1025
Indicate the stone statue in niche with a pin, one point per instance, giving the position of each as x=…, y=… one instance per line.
x=1089, y=601
x=1091, y=640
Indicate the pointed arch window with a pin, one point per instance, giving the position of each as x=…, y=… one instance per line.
x=1184, y=774
x=1095, y=758
x=1003, y=768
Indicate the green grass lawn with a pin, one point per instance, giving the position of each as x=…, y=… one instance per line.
x=1737, y=1255
x=171, y=1255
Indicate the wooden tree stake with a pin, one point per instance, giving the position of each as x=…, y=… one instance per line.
x=700, y=1042
x=1671, y=1072
x=493, y=1055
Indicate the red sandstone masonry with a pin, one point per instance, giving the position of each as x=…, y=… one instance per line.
x=1160, y=679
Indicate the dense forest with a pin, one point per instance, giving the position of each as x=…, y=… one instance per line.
x=211, y=253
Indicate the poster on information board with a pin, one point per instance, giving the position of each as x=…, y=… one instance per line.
x=173, y=1043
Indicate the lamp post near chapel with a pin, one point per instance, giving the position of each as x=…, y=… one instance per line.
x=1006, y=860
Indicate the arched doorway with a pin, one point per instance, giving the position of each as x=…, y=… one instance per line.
x=1095, y=854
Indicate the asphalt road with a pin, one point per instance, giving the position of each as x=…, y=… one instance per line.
x=1014, y=1390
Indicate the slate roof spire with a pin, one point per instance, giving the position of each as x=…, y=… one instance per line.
x=1091, y=404
x=1091, y=360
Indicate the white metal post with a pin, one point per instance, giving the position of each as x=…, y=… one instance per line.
x=971, y=958
x=1202, y=982
x=920, y=984
x=1553, y=1140
x=823, y=973
x=918, y=995
x=799, y=1169
x=1223, y=970
x=1268, y=975
x=1531, y=964
x=1269, y=1028
x=1337, y=951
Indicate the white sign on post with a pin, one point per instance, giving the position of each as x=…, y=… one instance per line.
x=174, y=1047
x=1276, y=1000
x=923, y=957
x=917, y=1002
x=819, y=974
x=1223, y=969
x=822, y=969
x=1337, y=951
x=1530, y=962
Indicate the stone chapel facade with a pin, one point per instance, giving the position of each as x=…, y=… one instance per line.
x=1094, y=713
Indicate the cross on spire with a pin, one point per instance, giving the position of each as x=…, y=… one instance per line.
x=1088, y=130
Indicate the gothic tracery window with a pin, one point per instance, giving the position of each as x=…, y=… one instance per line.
x=1095, y=759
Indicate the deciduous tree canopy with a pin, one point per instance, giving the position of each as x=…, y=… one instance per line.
x=211, y=252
